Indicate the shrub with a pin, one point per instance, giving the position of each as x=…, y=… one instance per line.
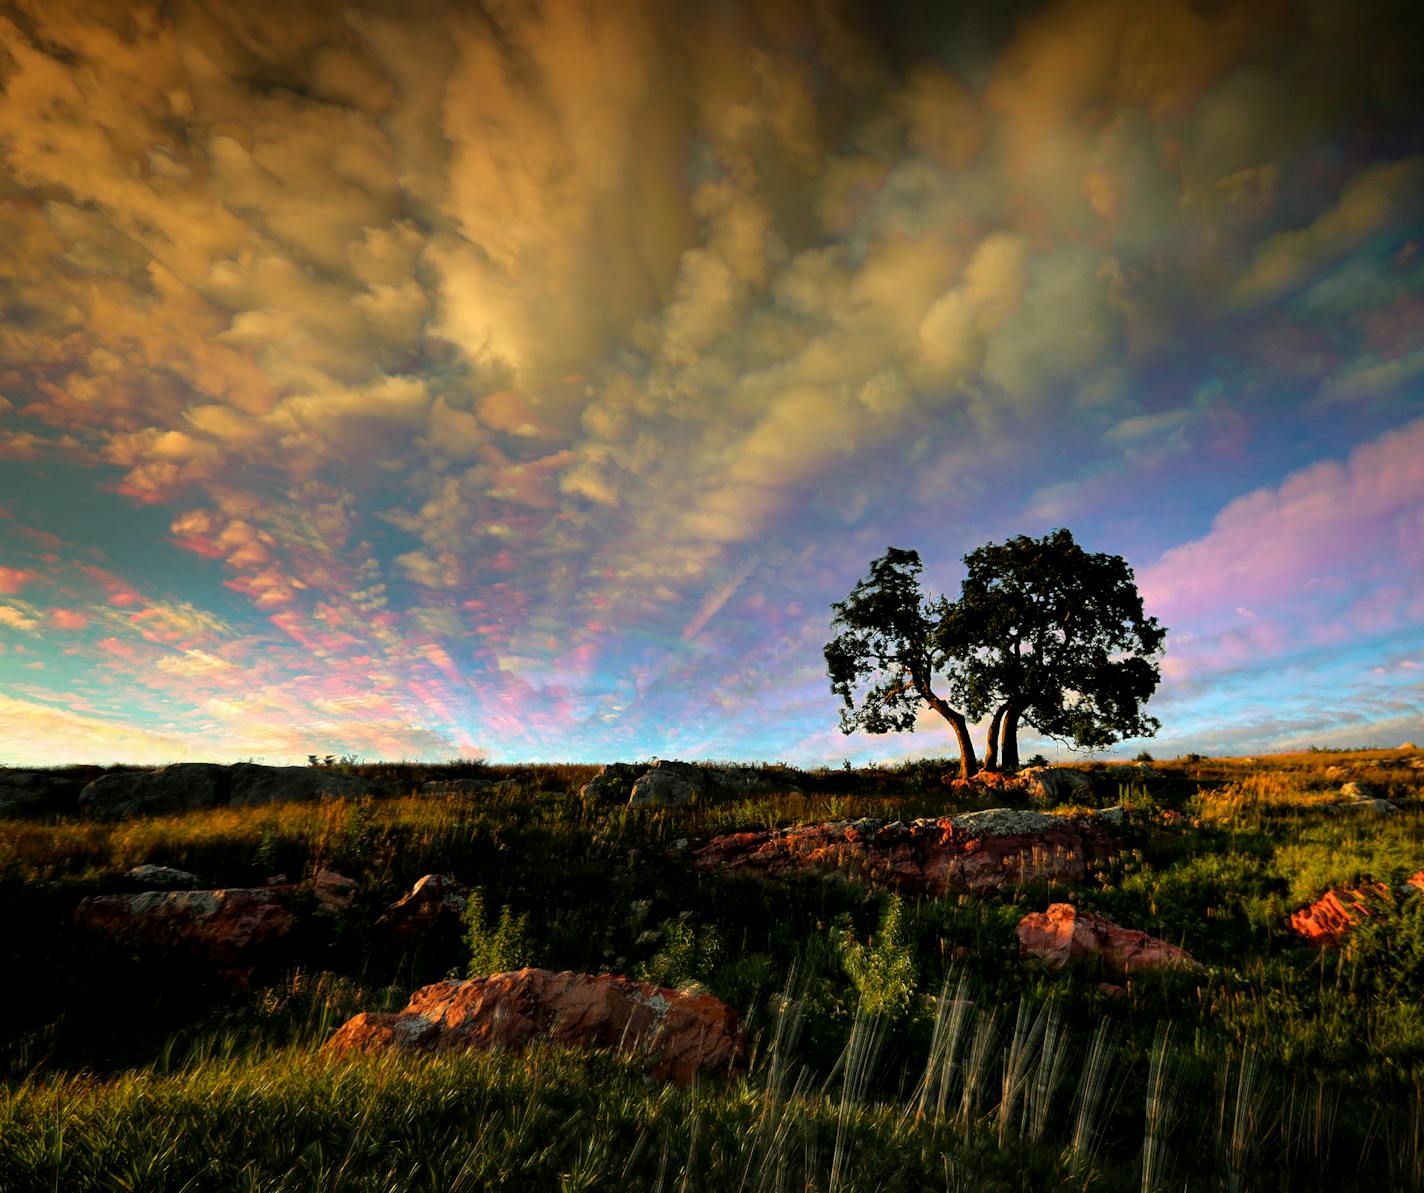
x=882, y=970
x=497, y=948
x=689, y=953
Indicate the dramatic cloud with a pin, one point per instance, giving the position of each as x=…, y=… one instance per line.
x=530, y=378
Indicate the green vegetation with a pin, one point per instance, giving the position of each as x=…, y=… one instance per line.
x=896, y=1042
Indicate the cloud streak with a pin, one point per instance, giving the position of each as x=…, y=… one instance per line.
x=513, y=378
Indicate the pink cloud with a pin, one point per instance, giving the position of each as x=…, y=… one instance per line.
x=1331, y=554
x=12, y=580
x=117, y=592
x=1329, y=525
x=118, y=647
x=68, y=619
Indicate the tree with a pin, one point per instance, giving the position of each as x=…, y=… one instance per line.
x=897, y=641
x=1060, y=641
x=1043, y=633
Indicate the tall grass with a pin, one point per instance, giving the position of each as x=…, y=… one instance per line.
x=979, y=1073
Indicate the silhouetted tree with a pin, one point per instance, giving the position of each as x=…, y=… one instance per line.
x=1060, y=642
x=1044, y=633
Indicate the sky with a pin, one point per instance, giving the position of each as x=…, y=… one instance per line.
x=525, y=381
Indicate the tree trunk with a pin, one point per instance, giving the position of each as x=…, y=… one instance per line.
x=1009, y=746
x=968, y=764
x=991, y=747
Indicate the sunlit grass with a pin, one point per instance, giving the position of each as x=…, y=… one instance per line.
x=981, y=1073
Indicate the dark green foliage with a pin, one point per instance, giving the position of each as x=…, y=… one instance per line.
x=1059, y=633
x=1042, y=633
x=888, y=636
x=495, y=947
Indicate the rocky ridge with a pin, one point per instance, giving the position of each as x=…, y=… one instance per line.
x=972, y=851
x=665, y=782
x=1330, y=918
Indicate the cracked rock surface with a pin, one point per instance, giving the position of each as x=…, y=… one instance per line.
x=972, y=851
x=683, y=1035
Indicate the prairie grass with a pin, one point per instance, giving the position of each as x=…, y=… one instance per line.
x=910, y=1047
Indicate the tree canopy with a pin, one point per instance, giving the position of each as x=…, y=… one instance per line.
x=1043, y=633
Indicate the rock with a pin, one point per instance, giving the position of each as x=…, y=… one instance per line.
x=1329, y=919
x=186, y=785
x=683, y=1036
x=665, y=782
x=1409, y=745
x=1063, y=935
x=250, y=784
x=973, y=851
x=612, y=784
x=991, y=784
x=1356, y=789
x=37, y=792
x=436, y=903
x=152, y=877
x=228, y=929
x=334, y=890
x=668, y=784
x=174, y=788
x=1056, y=784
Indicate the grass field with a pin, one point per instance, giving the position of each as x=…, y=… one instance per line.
x=896, y=1043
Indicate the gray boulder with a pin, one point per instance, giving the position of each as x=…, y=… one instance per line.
x=250, y=784
x=1004, y=822
x=668, y=784
x=187, y=785
x=174, y=788
x=31, y=792
x=153, y=877
x=612, y=784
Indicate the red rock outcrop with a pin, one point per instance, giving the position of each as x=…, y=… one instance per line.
x=1063, y=934
x=973, y=851
x=1329, y=919
x=683, y=1035
x=436, y=903
x=986, y=784
x=229, y=929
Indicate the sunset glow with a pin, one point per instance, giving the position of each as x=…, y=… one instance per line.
x=525, y=381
